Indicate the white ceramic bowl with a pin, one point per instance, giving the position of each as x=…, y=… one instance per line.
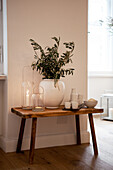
x=91, y=104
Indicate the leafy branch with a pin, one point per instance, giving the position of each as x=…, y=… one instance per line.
x=50, y=63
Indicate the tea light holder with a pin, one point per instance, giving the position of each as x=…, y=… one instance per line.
x=74, y=105
x=38, y=99
x=67, y=105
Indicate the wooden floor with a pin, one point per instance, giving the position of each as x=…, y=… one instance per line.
x=67, y=157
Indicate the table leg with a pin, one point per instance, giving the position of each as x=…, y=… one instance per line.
x=93, y=134
x=108, y=107
x=101, y=101
x=19, y=144
x=78, y=129
x=32, y=145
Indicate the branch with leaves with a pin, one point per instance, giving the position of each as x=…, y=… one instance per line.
x=50, y=63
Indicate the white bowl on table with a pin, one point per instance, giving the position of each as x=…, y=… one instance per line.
x=91, y=103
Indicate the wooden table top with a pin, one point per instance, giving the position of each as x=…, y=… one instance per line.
x=53, y=112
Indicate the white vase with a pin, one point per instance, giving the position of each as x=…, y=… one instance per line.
x=53, y=96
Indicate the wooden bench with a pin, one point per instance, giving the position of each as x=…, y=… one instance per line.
x=25, y=114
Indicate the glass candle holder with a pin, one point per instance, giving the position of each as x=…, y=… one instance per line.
x=27, y=84
x=38, y=99
x=26, y=95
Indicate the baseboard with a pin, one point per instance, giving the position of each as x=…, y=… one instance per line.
x=44, y=141
x=3, y=143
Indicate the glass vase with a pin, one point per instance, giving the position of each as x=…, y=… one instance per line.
x=38, y=99
x=27, y=86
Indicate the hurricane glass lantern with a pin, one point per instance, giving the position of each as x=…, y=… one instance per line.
x=27, y=85
x=38, y=99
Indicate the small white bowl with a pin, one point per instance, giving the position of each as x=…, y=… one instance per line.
x=91, y=104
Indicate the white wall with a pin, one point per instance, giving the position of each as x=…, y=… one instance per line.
x=41, y=20
x=1, y=26
x=3, y=81
x=1, y=106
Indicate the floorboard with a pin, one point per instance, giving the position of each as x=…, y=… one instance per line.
x=74, y=157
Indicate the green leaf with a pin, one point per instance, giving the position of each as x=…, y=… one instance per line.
x=57, y=40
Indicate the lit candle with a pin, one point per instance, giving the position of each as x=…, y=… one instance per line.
x=38, y=107
x=27, y=98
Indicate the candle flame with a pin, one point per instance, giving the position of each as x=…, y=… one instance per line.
x=27, y=93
